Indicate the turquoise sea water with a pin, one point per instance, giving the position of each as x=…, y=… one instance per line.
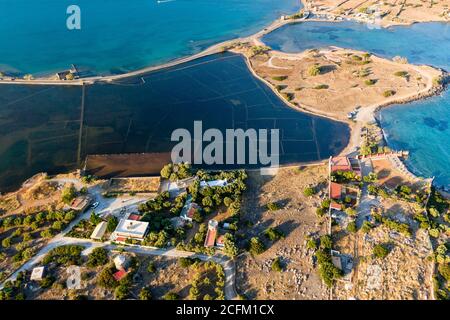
x=423, y=127
x=122, y=35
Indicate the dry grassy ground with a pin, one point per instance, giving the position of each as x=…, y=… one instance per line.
x=296, y=219
x=391, y=11
x=345, y=79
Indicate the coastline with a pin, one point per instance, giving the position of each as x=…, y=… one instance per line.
x=354, y=126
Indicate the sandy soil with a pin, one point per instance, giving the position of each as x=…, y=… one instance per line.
x=390, y=12
x=296, y=219
x=404, y=274
x=347, y=79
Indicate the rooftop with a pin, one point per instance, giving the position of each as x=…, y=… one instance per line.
x=99, y=231
x=131, y=228
x=340, y=163
x=335, y=190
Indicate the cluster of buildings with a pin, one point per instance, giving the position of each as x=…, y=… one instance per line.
x=340, y=192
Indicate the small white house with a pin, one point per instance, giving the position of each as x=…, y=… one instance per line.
x=121, y=262
x=99, y=231
x=37, y=274
x=130, y=229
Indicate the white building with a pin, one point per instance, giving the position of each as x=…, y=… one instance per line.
x=37, y=274
x=99, y=231
x=130, y=229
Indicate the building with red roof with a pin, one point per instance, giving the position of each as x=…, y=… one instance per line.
x=211, y=234
x=119, y=275
x=335, y=191
x=340, y=164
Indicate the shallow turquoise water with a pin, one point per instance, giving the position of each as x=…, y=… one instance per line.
x=421, y=127
x=121, y=35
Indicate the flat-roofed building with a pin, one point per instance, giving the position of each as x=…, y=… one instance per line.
x=99, y=231
x=37, y=274
x=130, y=229
x=80, y=203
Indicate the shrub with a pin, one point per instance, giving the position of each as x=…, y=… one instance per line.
x=68, y=194
x=272, y=206
x=321, y=87
x=388, y=93
x=276, y=265
x=326, y=242
x=256, y=246
x=106, y=279
x=444, y=270
x=98, y=257
x=314, y=70
x=230, y=248
x=280, y=78
x=6, y=243
x=309, y=191
x=171, y=296
x=145, y=294
x=351, y=227
x=273, y=234
x=311, y=244
x=380, y=251
x=370, y=82
x=121, y=292
x=112, y=224
x=151, y=267
x=402, y=74
x=366, y=227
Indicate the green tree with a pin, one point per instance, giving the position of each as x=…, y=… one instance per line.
x=145, y=294
x=230, y=248
x=380, y=251
x=351, y=227
x=98, y=257
x=121, y=292
x=256, y=246
x=309, y=191
x=276, y=265
x=68, y=194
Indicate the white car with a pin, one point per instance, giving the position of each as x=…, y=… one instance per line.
x=94, y=205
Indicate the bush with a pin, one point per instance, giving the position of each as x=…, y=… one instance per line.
x=121, y=292
x=351, y=227
x=280, y=78
x=380, y=251
x=256, y=246
x=98, y=257
x=321, y=87
x=276, y=265
x=388, y=93
x=230, y=248
x=273, y=234
x=66, y=255
x=145, y=294
x=68, y=194
x=272, y=206
x=6, y=243
x=112, y=224
x=366, y=227
x=309, y=191
x=186, y=262
x=151, y=268
x=314, y=70
x=444, y=270
x=171, y=296
x=370, y=82
x=311, y=244
x=402, y=74
x=106, y=279
x=326, y=242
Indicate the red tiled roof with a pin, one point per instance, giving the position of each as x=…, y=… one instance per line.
x=335, y=190
x=335, y=206
x=134, y=217
x=121, y=239
x=340, y=163
x=210, y=237
x=220, y=240
x=119, y=275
